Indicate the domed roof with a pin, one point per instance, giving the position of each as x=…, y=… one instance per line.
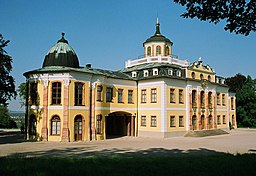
x=61, y=54
x=158, y=37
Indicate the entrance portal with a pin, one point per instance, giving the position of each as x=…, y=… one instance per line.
x=78, y=126
x=120, y=124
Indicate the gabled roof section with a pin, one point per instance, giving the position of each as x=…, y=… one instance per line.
x=198, y=65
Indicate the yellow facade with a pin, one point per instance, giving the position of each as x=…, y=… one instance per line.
x=158, y=95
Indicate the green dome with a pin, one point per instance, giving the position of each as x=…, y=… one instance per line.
x=61, y=54
x=158, y=37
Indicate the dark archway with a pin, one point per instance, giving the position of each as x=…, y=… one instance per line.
x=32, y=125
x=78, y=128
x=202, y=122
x=120, y=124
x=194, y=122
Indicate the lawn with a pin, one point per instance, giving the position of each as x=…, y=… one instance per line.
x=219, y=164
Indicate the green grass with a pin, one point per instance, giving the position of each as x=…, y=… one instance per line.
x=224, y=164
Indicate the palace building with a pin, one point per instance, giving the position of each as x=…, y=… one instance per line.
x=157, y=95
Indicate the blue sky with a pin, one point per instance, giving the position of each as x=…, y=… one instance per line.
x=106, y=33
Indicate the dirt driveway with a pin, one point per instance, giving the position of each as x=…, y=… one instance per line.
x=238, y=141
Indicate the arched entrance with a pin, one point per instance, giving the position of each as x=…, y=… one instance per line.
x=78, y=128
x=194, y=122
x=202, y=122
x=32, y=125
x=210, y=122
x=120, y=124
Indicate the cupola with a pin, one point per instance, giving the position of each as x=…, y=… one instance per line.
x=157, y=44
x=61, y=54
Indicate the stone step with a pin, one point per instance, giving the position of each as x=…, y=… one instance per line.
x=203, y=133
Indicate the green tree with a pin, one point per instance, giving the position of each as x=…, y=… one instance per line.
x=7, y=86
x=236, y=82
x=22, y=94
x=246, y=104
x=5, y=119
x=239, y=15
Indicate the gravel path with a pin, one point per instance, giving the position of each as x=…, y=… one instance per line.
x=238, y=141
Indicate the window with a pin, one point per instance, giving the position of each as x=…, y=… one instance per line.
x=224, y=119
x=99, y=93
x=172, y=121
x=193, y=75
x=130, y=96
x=109, y=94
x=218, y=98
x=180, y=96
x=218, y=120
x=233, y=120
x=201, y=76
x=98, y=124
x=172, y=95
x=145, y=73
x=223, y=100
x=153, y=121
x=167, y=51
x=149, y=51
x=134, y=74
x=181, y=121
x=178, y=73
x=158, y=50
x=56, y=93
x=209, y=78
x=155, y=71
x=170, y=71
x=33, y=93
x=55, y=125
x=153, y=95
x=79, y=94
x=210, y=100
x=232, y=103
x=143, y=96
x=194, y=98
x=143, y=121
x=202, y=99
x=120, y=95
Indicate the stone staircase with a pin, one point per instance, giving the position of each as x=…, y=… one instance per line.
x=203, y=133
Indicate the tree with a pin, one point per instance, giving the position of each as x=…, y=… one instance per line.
x=5, y=119
x=246, y=104
x=236, y=82
x=22, y=94
x=7, y=86
x=240, y=15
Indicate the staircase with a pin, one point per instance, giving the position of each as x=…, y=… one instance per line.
x=204, y=133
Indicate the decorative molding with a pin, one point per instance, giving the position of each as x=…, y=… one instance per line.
x=115, y=109
x=78, y=108
x=66, y=82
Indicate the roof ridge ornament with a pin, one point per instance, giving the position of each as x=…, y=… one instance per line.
x=157, y=27
x=62, y=38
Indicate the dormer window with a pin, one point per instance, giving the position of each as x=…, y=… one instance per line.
x=201, y=76
x=193, y=75
x=178, y=73
x=170, y=71
x=134, y=74
x=155, y=71
x=145, y=73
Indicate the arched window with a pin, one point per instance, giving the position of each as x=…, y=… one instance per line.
x=209, y=78
x=194, y=98
x=149, y=51
x=158, y=50
x=194, y=122
x=55, y=125
x=202, y=99
x=210, y=121
x=210, y=99
x=32, y=125
x=167, y=51
x=78, y=127
x=193, y=75
x=201, y=76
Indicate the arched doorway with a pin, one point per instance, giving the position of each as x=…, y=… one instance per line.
x=120, y=124
x=32, y=125
x=194, y=122
x=78, y=128
x=202, y=122
x=210, y=122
